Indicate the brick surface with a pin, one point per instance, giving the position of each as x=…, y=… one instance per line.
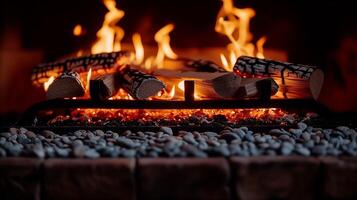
x=19, y=178
x=183, y=178
x=340, y=178
x=102, y=179
x=275, y=177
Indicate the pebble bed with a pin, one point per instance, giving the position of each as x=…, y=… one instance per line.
x=302, y=140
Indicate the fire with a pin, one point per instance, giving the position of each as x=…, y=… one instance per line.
x=110, y=35
x=163, y=41
x=139, y=49
x=234, y=23
x=48, y=83
x=89, y=75
x=78, y=30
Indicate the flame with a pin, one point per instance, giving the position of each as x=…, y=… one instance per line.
x=78, y=30
x=48, y=83
x=110, y=35
x=172, y=92
x=163, y=41
x=89, y=75
x=234, y=23
x=139, y=49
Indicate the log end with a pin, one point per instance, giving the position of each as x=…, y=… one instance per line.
x=227, y=85
x=316, y=82
x=148, y=88
x=65, y=87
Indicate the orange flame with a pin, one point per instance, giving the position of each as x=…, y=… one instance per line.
x=78, y=30
x=163, y=41
x=48, y=83
x=110, y=35
x=234, y=23
x=89, y=75
x=139, y=49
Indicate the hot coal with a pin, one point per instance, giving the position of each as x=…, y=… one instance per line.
x=302, y=140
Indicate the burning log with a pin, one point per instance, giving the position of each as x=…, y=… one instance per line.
x=81, y=64
x=138, y=84
x=265, y=67
x=223, y=84
x=255, y=87
x=66, y=85
x=104, y=86
x=196, y=65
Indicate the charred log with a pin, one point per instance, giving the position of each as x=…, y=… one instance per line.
x=104, y=86
x=67, y=85
x=81, y=64
x=138, y=84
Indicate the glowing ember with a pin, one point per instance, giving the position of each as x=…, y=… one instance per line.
x=176, y=116
x=110, y=35
x=234, y=23
x=78, y=30
x=48, y=83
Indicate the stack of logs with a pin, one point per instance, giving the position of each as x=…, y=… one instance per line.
x=210, y=80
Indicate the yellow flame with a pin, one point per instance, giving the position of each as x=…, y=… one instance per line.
x=89, y=75
x=181, y=85
x=48, y=83
x=163, y=41
x=109, y=35
x=172, y=92
x=234, y=23
x=139, y=49
x=260, y=44
x=78, y=30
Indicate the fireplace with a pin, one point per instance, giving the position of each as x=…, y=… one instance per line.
x=158, y=100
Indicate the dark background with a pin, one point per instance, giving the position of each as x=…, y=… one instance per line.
x=321, y=33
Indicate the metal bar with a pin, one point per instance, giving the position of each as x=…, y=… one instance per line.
x=189, y=90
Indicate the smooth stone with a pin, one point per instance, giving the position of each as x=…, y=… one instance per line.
x=30, y=134
x=296, y=131
x=189, y=139
x=286, y=148
x=284, y=137
x=2, y=153
x=276, y=131
x=38, y=150
x=5, y=134
x=13, y=130
x=125, y=142
x=249, y=137
x=50, y=152
x=99, y=133
x=210, y=134
x=306, y=136
x=64, y=153
x=303, y=151
x=91, y=153
x=302, y=126
x=228, y=136
x=129, y=153
x=319, y=150
x=166, y=130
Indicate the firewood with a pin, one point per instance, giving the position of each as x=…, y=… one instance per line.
x=210, y=84
x=104, y=86
x=43, y=72
x=252, y=87
x=196, y=65
x=66, y=85
x=138, y=84
x=265, y=67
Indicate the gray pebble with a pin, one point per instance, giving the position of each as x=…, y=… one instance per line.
x=301, y=126
x=5, y=134
x=166, y=130
x=284, y=137
x=303, y=151
x=229, y=136
x=306, y=136
x=286, y=148
x=2, y=153
x=91, y=153
x=64, y=153
x=129, y=153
